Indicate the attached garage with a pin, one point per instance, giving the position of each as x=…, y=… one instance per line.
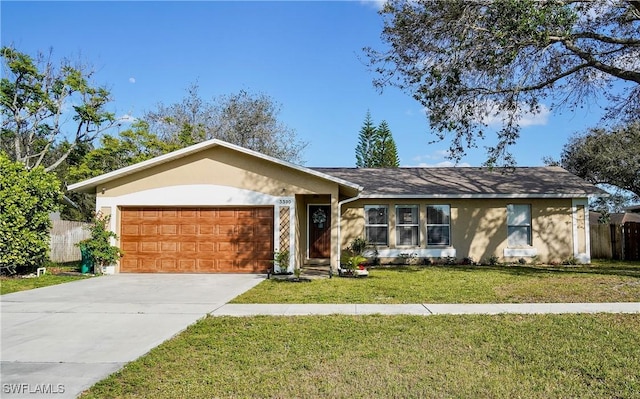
x=196, y=240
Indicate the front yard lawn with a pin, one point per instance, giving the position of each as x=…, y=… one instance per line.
x=599, y=282
x=56, y=274
x=503, y=356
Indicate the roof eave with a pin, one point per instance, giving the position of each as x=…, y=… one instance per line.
x=478, y=196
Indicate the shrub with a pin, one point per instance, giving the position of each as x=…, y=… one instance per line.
x=99, y=243
x=27, y=198
x=358, y=245
x=281, y=260
x=493, y=260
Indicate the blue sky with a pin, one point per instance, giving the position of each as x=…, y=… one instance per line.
x=307, y=56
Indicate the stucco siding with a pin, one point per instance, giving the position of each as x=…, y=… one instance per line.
x=219, y=166
x=478, y=229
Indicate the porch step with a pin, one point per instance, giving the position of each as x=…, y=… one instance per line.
x=315, y=271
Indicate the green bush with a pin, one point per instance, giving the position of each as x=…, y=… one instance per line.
x=99, y=243
x=27, y=197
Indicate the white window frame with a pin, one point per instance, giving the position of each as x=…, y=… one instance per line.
x=415, y=227
x=367, y=224
x=516, y=218
x=448, y=225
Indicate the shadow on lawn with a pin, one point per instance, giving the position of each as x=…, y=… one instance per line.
x=627, y=269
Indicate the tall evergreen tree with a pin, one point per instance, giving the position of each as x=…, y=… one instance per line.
x=376, y=147
x=385, y=151
x=366, y=141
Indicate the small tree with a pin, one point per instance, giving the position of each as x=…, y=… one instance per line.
x=366, y=140
x=27, y=197
x=99, y=244
x=385, y=150
x=376, y=147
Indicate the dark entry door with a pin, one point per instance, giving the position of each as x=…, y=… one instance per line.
x=319, y=231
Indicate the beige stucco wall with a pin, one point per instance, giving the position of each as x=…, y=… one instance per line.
x=479, y=226
x=220, y=166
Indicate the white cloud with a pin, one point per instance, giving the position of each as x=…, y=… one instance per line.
x=377, y=4
x=132, y=80
x=493, y=117
x=126, y=118
x=438, y=154
x=437, y=158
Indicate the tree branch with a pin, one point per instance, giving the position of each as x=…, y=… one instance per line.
x=627, y=41
x=623, y=74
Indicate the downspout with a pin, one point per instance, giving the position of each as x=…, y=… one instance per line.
x=340, y=203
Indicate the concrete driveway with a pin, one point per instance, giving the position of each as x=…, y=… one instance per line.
x=58, y=341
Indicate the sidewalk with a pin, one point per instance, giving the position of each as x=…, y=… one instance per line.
x=423, y=309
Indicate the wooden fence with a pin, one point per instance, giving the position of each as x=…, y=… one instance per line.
x=632, y=241
x=65, y=235
x=611, y=241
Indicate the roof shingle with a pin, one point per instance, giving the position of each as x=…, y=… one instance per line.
x=465, y=182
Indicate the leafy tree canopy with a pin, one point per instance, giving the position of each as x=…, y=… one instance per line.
x=35, y=96
x=114, y=152
x=27, y=197
x=246, y=119
x=606, y=157
x=468, y=62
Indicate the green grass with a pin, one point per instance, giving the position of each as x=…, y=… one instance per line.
x=504, y=356
x=56, y=274
x=599, y=282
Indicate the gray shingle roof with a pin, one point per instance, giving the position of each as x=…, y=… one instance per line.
x=465, y=182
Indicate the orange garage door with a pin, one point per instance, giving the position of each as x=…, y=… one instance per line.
x=196, y=240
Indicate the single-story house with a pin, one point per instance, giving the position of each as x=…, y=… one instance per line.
x=217, y=207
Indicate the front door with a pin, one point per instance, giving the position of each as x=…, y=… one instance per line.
x=319, y=231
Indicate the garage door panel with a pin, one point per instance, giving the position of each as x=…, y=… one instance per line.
x=265, y=213
x=187, y=247
x=187, y=229
x=149, y=230
x=149, y=213
x=197, y=240
x=149, y=246
x=188, y=213
x=207, y=229
x=168, y=246
x=168, y=229
x=264, y=230
x=206, y=247
x=187, y=265
x=169, y=213
x=169, y=264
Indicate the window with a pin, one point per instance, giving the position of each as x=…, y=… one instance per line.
x=407, y=225
x=376, y=224
x=519, y=225
x=438, y=225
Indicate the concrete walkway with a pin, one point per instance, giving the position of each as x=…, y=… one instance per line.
x=60, y=340
x=424, y=309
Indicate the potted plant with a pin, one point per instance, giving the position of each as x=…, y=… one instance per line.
x=352, y=261
x=98, y=245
